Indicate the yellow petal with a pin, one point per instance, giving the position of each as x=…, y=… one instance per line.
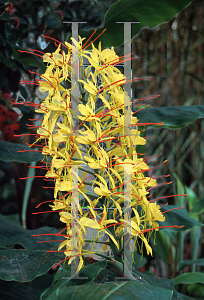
x=148, y=248
x=89, y=86
x=112, y=238
x=89, y=223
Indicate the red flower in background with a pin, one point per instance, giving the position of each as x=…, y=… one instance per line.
x=8, y=118
x=15, y=22
x=59, y=12
x=9, y=9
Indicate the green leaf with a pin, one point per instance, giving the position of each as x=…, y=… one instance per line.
x=131, y=290
x=162, y=283
x=190, y=278
x=184, y=263
x=174, y=117
x=24, y=265
x=10, y=152
x=12, y=233
x=177, y=217
x=161, y=245
x=192, y=198
x=195, y=238
x=197, y=289
x=149, y=13
x=198, y=208
x=139, y=260
x=63, y=278
x=183, y=297
x=180, y=191
x=14, y=290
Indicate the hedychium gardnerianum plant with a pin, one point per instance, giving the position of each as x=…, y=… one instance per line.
x=99, y=142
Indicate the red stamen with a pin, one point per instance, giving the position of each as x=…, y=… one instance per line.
x=167, y=197
x=126, y=80
x=50, y=201
x=48, y=37
x=28, y=134
x=30, y=53
x=50, y=56
x=95, y=38
x=109, y=85
x=45, y=212
x=146, y=230
x=125, y=156
x=63, y=229
x=32, y=177
x=117, y=62
x=140, y=109
x=159, y=185
x=64, y=259
x=145, y=98
x=156, y=166
x=113, y=225
x=82, y=123
x=57, y=234
x=60, y=250
x=162, y=176
x=65, y=195
x=127, y=193
x=48, y=187
x=28, y=82
x=172, y=209
x=101, y=218
x=112, y=138
x=29, y=150
x=51, y=241
x=49, y=82
x=143, y=124
x=88, y=39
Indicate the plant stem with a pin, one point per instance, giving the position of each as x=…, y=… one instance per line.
x=100, y=242
x=121, y=269
x=29, y=181
x=87, y=171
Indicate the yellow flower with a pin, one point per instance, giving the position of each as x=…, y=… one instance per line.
x=101, y=137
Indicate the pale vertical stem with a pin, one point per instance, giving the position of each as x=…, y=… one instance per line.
x=28, y=186
x=127, y=74
x=75, y=72
x=127, y=223
x=75, y=225
x=75, y=195
x=75, y=200
x=128, y=132
x=127, y=220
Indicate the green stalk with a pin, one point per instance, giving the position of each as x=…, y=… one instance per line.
x=103, y=255
x=28, y=185
x=99, y=109
x=180, y=235
x=195, y=236
x=99, y=242
x=113, y=247
x=121, y=269
x=123, y=212
x=87, y=171
x=89, y=183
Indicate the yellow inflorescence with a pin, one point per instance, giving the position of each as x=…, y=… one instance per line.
x=102, y=127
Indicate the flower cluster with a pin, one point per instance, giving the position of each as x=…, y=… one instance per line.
x=99, y=142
